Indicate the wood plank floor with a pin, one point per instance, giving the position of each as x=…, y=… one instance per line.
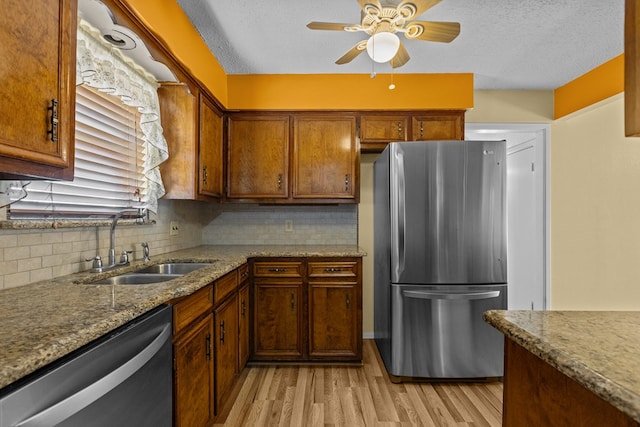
x=356, y=396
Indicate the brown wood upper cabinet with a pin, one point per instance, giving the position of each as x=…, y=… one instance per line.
x=325, y=157
x=293, y=158
x=258, y=157
x=377, y=130
x=382, y=129
x=38, y=51
x=192, y=126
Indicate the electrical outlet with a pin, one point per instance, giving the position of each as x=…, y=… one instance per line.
x=174, y=228
x=288, y=225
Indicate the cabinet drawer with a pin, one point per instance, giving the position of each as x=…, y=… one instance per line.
x=341, y=269
x=243, y=273
x=192, y=307
x=224, y=286
x=293, y=269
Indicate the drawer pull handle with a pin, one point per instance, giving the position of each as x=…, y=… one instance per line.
x=243, y=309
x=348, y=301
x=293, y=301
x=53, y=120
x=204, y=175
x=346, y=182
x=222, y=332
x=399, y=130
x=208, y=346
x=277, y=270
x=279, y=181
x=332, y=270
x=244, y=274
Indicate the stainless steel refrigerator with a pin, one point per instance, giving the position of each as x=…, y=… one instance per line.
x=440, y=257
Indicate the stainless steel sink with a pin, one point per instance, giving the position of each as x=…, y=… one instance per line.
x=136, y=279
x=173, y=268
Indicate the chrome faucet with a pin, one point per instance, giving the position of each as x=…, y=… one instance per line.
x=98, y=266
x=124, y=259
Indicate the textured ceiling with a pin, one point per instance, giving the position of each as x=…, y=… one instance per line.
x=506, y=44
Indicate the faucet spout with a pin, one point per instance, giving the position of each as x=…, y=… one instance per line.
x=112, y=236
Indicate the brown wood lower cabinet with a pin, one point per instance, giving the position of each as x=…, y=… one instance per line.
x=226, y=348
x=206, y=348
x=192, y=359
x=244, y=322
x=307, y=309
x=537, y=394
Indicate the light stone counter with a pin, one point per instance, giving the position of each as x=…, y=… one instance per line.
x=41, y=322
x=598, y=349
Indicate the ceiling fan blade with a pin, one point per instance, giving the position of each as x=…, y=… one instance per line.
x=352, y=53
x=443, y=32
x=409, y=9
x=367, y=5
x=401, y=58
x=333, y=26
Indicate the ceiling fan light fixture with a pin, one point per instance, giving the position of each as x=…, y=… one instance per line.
x=383, y=46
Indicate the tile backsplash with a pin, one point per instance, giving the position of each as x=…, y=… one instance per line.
x=28, y=256
x=282, y=225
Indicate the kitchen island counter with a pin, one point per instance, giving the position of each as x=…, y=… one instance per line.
x=44, y=321
x=599, y=350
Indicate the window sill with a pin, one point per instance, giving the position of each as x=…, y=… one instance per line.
x=42, y=224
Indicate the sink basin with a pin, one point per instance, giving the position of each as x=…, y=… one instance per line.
x=172, y=268
x=136, y=279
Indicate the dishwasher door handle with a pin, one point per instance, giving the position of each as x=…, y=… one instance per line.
x=451, y=296
x=66, y=408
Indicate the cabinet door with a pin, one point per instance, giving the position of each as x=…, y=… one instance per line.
x=326, y=158
x=377, y=131
x=438, y=125
x=243, y=326
x=258, y=157
x=178, y=113
x=335, y=308
x=333, y=314
x=210, y=144
x=38, y=51
x=226, y=354
x=193, y=370
x=277, y=319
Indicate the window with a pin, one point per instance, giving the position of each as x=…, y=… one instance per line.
x=109, y=165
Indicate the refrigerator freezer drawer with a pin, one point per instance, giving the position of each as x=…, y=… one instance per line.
x=438, y=332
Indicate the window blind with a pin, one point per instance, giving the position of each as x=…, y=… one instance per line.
x=110, y=156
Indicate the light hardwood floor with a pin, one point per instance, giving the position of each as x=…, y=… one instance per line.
x=356, y=396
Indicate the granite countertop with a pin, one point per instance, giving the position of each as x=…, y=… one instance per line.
x=598, y=349
x=44, y=321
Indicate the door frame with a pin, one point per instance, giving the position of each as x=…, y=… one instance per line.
x=542, y=183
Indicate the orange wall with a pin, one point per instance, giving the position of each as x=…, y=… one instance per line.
x=334, y=91
x=600, y=83
x=350, y=91
x=170, y=24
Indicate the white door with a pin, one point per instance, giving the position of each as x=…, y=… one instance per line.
x=526, y=214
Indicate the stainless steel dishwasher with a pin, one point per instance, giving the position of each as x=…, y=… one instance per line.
x=122, y=379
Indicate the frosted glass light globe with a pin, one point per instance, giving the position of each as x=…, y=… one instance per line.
x=382, y=47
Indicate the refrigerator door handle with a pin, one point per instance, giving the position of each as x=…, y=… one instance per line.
x=451, y=296
x=398, y=256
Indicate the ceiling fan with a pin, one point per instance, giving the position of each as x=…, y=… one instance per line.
x=383, y=22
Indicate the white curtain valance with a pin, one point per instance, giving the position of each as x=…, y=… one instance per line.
x=103, y=66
